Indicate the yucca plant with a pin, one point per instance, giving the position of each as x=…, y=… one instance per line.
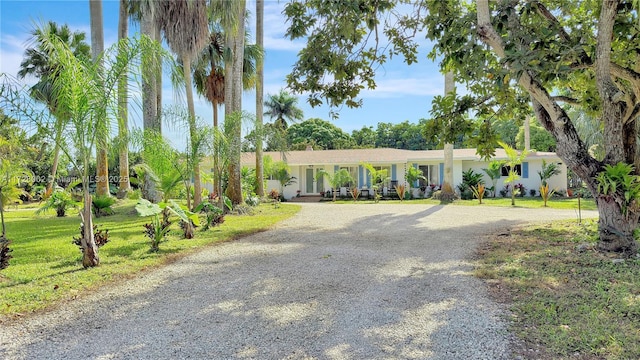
x=478, y=191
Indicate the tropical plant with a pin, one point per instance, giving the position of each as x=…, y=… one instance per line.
x=620, y=180
x=494, y=172
x=38, y=61
x=478, y=191
x=548, y=171
x=280, y=172
x=545, y=193
x=470, y=179
x=378, y=178
x=5, y=251
x=412, y=176
x=214, y=214
x=86, y=95
x=60, y=201
x=102, y=205
x=400, y=190
x=283, y=107
x=101, y=236
x=188, y=220
x=336, y=180
x=514, y=159
x=185, y=28
x=157, y=230
x=354, y=193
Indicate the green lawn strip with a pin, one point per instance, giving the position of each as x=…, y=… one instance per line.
x=46, y=267
x=525, y=202
x=573, y=304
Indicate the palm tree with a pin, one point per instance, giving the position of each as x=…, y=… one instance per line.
x=123, y=123
x=447, y=186
x=97, y=49
x=86, y=97
x=231, y=16
x=259, y=97
x=185, y=28
x=283, y=107
x=37, y=62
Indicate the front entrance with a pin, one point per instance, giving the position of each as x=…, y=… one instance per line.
x=311, y=185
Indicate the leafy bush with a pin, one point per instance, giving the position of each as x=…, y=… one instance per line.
x=215, y=215
x=134, y=194
x=102, y=205
x=470, y=179
x=4, y=252
x=60, y=201
x=252, y=200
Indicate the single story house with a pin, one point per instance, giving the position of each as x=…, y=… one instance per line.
x=305, y=165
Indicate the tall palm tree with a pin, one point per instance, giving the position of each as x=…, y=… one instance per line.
x=259, y=97
x=37, y=62
x=124, y=186
x=282, y=107
x=185, y=28
x=208, y=73
x=231, y=16
x=97, y=49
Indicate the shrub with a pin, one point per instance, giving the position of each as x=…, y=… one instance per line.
x=4, y=252
x=215, y=215
x=252, y=200
x=134, y=194
x=60, y=201
x=102, y=205
x=533, y=192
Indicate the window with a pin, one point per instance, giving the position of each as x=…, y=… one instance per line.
x=505, y=170
x=430, y=172
x=354, y=174
x=384, y=175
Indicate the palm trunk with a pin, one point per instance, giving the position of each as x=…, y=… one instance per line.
x=158, y=82
x=89, y=249
x=149, y=90
x=54, y=167
x=123, y=121
x=449, y=86
x=4, y=232
x=197, y=186
x=97, y=48
x=216, y=182
x=259, y=98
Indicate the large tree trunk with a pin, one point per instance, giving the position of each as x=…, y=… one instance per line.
x=234, y=189
x=615, y=227
x=149, y=79
x=97, y=48
x=89, y=249
x=259, y=98
x=197, y=185
x=123, y=121
x=158, y=80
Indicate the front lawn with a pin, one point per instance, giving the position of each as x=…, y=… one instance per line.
x=567, y=300
x=46, y=267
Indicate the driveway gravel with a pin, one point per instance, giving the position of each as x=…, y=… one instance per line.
x=337, y=281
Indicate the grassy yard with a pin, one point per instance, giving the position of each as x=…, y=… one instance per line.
x=565, y=303
x=46, y=267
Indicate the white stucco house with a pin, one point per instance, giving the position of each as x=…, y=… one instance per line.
x=304, y=165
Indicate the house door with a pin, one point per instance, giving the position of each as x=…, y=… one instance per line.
x=309, y=182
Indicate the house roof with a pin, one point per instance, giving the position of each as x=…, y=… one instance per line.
x=376, y=156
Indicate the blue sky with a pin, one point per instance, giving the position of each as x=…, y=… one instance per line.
x=403, y=92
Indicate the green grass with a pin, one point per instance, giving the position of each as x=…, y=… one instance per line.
x=565, y=303
x=47, y=268
x=524, y=202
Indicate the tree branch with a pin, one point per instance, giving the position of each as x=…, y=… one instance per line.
x=566, y=99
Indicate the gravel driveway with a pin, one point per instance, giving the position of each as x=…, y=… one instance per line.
x=366, y=281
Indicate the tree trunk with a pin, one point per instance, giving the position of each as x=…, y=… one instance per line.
x=149, y=83
x=527, y=133
x=123, y=121
x=447, y=191
x=4, y=232
x=259, y=98
x=216, y=181
x=197, y=185
x=89, y=249
x=97, y=48
x=615, y=228
x=54, y=167
x=158, y=80
x=234, y=189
